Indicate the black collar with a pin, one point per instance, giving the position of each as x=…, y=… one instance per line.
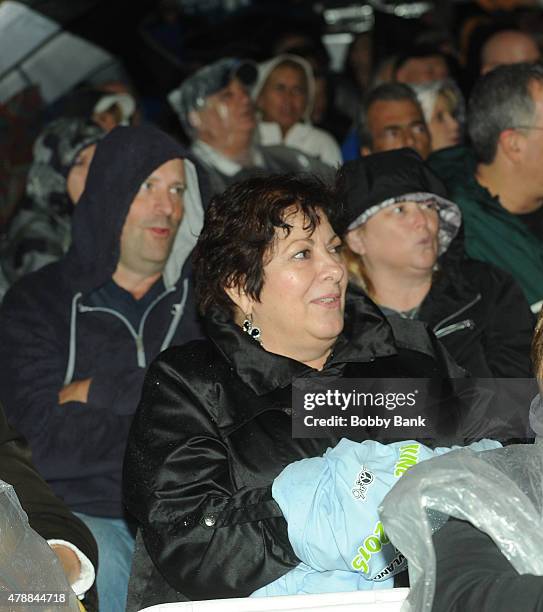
x=451, y=290
x=366, y=337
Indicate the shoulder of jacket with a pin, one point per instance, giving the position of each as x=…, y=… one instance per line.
x=488, y=277
x=192, y=360
x=46, y=285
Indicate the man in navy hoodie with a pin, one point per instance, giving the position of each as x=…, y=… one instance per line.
x=77, y=336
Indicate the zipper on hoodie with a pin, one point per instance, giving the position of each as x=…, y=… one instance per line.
x=441, y=331
x=137, y=335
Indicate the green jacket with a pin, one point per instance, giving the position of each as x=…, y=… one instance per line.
x=492, y=233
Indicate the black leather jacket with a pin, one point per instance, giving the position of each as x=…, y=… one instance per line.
x=212, y=432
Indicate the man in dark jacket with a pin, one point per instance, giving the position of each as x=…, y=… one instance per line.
x=77, y=335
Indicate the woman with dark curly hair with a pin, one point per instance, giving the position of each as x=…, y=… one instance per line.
x=213, y=429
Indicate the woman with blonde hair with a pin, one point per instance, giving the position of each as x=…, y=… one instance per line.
x=444, y=111
x=400, y=231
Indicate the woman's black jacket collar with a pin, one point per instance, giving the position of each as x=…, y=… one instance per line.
x=367, y=336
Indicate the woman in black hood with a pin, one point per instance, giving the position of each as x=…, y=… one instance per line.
x=398, y=228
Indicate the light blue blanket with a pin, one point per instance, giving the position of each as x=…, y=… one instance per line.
x=331, y=506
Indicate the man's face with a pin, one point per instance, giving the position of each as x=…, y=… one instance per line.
x=532, y=151
x=395, y=124
x=153, y=219
x=228, y=112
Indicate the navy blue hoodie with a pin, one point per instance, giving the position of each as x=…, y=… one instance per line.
x=51, y=332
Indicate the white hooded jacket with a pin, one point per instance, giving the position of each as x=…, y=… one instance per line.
x=302, y=135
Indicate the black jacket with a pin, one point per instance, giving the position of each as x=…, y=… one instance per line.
x=51, y=333
x=479, y=313
x=472, y=573
x=213, y=430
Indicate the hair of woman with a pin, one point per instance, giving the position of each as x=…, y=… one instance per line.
x=240, y=229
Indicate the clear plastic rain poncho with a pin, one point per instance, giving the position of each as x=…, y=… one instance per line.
x=469, y=486
x=31, y=576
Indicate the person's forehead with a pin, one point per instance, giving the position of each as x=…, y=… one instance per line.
x=301, y=229
x=386, y=214
x=295, y=214
x=172, y=170
x=218, y=97
x=287, y=72
x=421, y=64
x=510, y=48
x=393, y=112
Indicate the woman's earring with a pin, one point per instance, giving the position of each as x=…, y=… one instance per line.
x=251, y=329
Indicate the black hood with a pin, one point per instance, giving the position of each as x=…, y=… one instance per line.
x=366, y=182
x=123, y=160
x=367, y=185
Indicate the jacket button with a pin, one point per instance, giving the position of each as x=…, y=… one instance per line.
x=210, y=520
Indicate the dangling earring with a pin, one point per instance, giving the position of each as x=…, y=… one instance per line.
x=251, y=329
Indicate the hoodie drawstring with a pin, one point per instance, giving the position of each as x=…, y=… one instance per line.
x=71, y=351
x=179, y=308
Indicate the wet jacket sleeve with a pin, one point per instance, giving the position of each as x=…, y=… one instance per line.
x=473, y=574
x=208, y=537
x=47, y=514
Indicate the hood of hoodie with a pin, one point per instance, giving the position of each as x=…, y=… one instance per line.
x=266, y=68
x=123, y=160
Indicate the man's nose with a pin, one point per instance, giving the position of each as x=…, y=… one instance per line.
x=164, y=202
x=408, y=138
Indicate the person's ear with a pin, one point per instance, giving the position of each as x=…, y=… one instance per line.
x=512, y=143
x=355, y=241
x=240, y=298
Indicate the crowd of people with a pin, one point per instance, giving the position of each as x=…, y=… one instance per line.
x=164, y=293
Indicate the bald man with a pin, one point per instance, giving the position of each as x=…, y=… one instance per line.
x=508, y=47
